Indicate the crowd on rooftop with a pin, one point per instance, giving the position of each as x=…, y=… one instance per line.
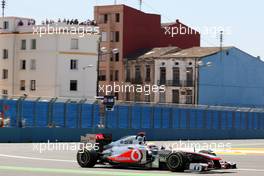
x=70, y=22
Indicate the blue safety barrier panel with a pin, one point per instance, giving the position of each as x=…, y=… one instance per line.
x=200, y=119
x=146, y=114
x=57, y=118
x=43, y=113
x=124, y=116
x=176, y=113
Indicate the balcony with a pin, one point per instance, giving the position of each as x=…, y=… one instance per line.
x=136, y=81
x=176, y=83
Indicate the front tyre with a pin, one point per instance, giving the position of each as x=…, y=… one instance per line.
x=87, y=158
x=176, y=162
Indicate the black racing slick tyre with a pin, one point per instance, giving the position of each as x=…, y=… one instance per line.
x=176, y=162
x=87, y=158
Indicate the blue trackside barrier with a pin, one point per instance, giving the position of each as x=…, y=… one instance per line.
x=161, y=119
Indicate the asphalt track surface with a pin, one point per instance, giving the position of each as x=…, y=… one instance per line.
x=27, y=160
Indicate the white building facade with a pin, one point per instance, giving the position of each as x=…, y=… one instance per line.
x=178, y=76
x=54, y=64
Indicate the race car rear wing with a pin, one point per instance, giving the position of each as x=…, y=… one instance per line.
x=101, y=139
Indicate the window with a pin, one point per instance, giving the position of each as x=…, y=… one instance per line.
x=73, y=85
x=117, y=17
x=33, y=85
x=176, y=76
x=23, y=65
x=105, y=18
x=104, y=36
x=102, y=75
x=189, y=76
x=147, y=98
x=116, y=57
x=175, y=96
x=5, y=74
x=6, y=24
x=74, y=64
x=22, y=85
x=5, y=54
x=137, y=74
x=162, y=97
x=127, y=75
x=115, y=36
x=128, y=96
x=137, y=96
x=33, y=44
x=32, y=64
x=189, y=97
x=147, y=73
x=5, y=92
x=117, y=96
x=162, y=76
x=111, y=75
x=74, y=44
x=116, y=75
x=23, y=44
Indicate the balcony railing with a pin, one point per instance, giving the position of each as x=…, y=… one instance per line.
x=176, y=83
x=136, y=81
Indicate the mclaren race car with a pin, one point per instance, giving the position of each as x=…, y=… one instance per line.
x=133, y=152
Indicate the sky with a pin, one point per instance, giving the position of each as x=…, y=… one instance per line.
x=242, y=21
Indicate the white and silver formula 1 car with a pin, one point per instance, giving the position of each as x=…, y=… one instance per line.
x=133, y=152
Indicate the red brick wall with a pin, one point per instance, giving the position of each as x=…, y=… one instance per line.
x=141, y=30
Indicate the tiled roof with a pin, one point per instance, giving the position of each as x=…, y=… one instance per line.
x=152, y=52
x=195, y=52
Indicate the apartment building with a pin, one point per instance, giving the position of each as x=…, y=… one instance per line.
x=197, y=75
x=128, y=30
x=60, y=63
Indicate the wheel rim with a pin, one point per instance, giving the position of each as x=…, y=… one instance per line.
x=84, y=157
x=174, y=161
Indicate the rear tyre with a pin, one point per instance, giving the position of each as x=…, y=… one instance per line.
x=176, y=162
x=87, y=158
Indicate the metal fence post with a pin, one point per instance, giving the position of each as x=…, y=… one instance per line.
x=35, y=112
x=188, y=118
x=79, y=113
x=161, y=117
x=117, y=117
x=152, y=117
x=50, y=112
x=65, y=112
x=92, y=115
x=19, y=112
x=171, y=121
x=129, y=117
x=141, y=119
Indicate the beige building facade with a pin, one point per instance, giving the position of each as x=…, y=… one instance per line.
x=47, y=65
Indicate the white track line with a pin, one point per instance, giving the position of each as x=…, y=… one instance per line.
x=72, y=161
x=34, y=158
x=251, y=170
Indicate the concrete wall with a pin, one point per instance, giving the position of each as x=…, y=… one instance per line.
x=237, y=80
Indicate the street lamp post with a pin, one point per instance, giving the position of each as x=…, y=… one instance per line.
x=101, y=52
x=198, y=64
x=3, y=8
x=84, y=87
